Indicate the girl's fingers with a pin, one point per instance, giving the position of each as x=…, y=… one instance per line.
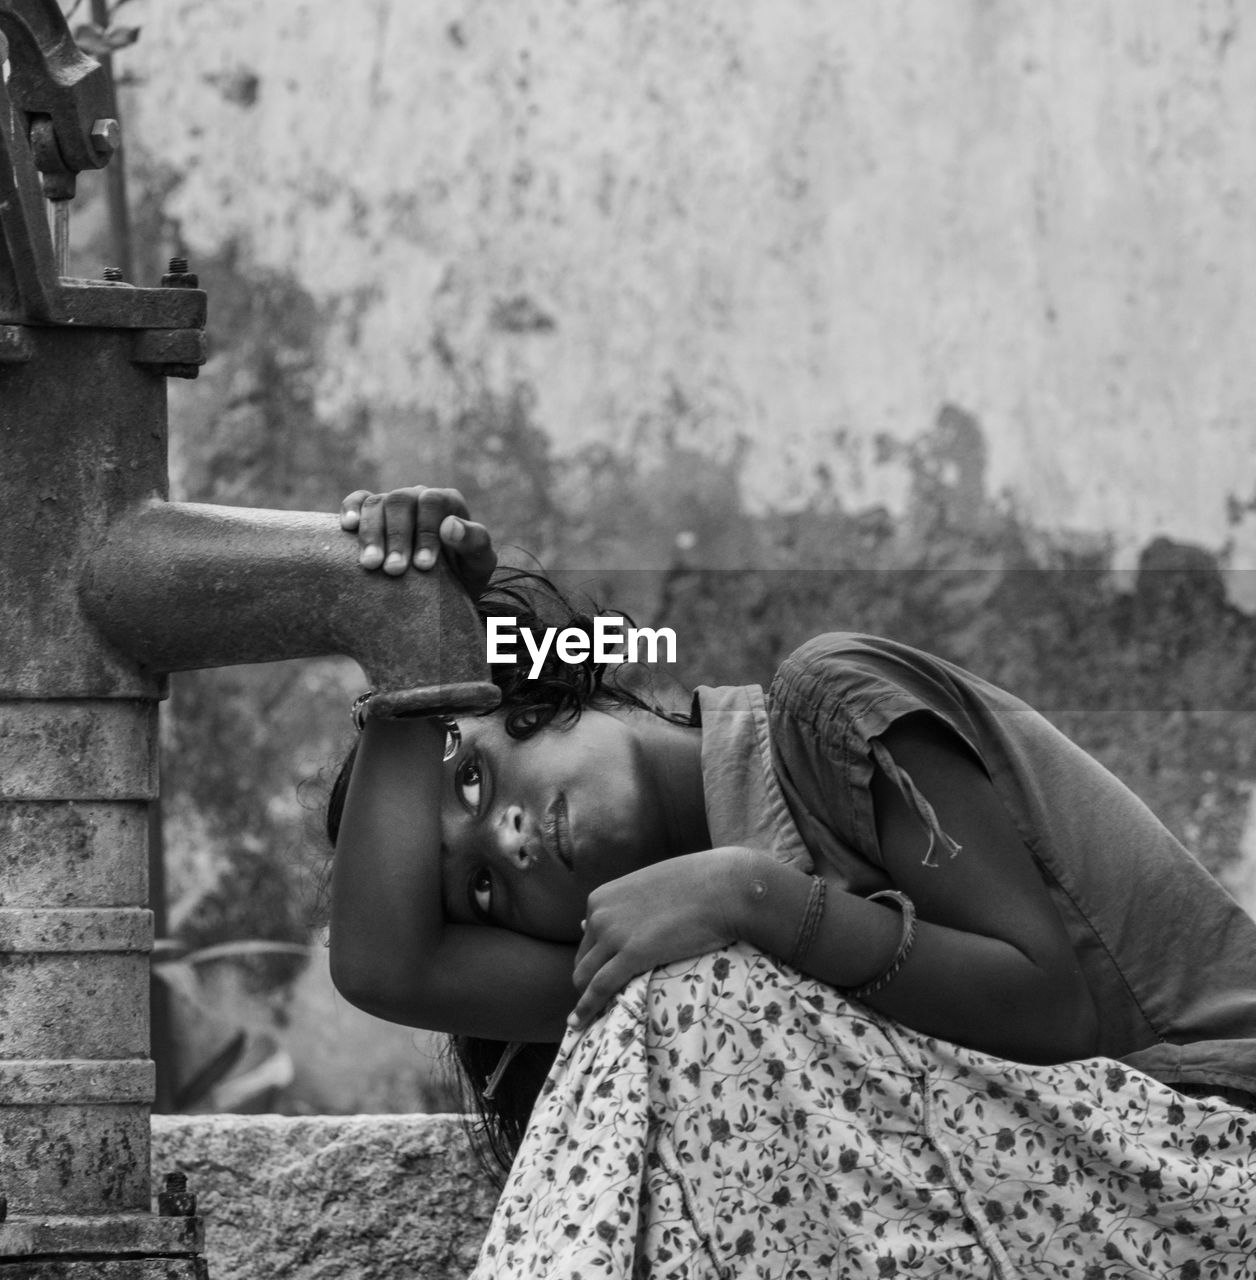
x=399, y=528
x=371, y=531
x=471, y=545
x=409, y=526
x=434, y=506
x=591, y=957
x=351, y=508
x=608, y=981
x=586, y=945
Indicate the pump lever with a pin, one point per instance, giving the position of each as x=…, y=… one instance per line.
x=65, y=95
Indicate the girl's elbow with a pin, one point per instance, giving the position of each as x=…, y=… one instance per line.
x=346, y=978
x=389, y=995
x=1045, y=1018
x=354, y=978
x=1083, y=1020
x=1069, y=1024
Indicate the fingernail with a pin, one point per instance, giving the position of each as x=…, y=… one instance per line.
x=349, y=520
x=371, y=557
x=395, y=560
x=454, y=529
x=572, y=1021
x=424, y=558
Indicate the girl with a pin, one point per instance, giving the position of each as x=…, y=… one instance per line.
x=893, y=828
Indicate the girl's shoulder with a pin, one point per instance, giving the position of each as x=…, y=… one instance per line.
x=868, y=681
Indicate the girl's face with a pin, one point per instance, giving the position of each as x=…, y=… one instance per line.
x=531, y=827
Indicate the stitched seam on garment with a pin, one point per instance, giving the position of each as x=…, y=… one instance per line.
x=1046, y=869
x=671, y=1166
x=822, y=713
x=802, y=697
x=1225, y=1079
x=1003, y=1268
x=784, y=829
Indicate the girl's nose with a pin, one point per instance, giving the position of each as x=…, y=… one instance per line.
x=513, y=837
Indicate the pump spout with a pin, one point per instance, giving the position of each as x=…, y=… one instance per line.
x=179, y=586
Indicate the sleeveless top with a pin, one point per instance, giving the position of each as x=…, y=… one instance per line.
x=1169, y=957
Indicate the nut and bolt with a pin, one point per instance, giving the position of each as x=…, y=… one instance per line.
x=16, y=346
x=106, y=136
x=111, y=273
x=179, y=277
x=175, y=1200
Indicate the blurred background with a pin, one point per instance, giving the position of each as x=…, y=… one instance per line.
x=762, y=319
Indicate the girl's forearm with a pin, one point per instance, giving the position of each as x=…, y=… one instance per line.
x=974, y=990
x=386, y=921
x=392, y=951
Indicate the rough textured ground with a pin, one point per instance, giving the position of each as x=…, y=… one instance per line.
x=311, y=1198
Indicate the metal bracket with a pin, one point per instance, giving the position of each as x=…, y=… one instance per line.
x=50, y=76
x=56, y=119
x=29, y=285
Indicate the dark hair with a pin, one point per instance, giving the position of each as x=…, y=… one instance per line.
x=555, y=697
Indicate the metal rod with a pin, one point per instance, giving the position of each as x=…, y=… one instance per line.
x=61, y=235
x=115, y=173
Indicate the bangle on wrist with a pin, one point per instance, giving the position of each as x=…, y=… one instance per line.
x=438, y=700
x=810, y=921
x=906, y=940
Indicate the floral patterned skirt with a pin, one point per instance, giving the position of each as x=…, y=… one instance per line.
x=726, y=1117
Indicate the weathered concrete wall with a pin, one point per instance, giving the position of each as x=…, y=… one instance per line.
x=372, y=1197
x=785, y=234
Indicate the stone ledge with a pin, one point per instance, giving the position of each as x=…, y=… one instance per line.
x=393, y=1197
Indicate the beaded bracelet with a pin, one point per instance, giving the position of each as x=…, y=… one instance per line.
x=810, y=920
x=905, y=941
x=466, y=698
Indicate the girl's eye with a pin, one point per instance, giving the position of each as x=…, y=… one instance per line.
x=469, y=782
x=453, y=739
x=482, y=892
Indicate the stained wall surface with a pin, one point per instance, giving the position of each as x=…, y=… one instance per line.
x=786, y=234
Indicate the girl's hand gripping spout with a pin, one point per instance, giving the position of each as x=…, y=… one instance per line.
x=672, y=910
x=406, y=527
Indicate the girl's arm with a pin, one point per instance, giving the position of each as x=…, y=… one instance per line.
x=392, y=953
x=992, y=966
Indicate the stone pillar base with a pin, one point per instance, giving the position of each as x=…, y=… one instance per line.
x=382, y=1197
x=115, y=1246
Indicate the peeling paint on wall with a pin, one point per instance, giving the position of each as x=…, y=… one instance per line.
x=815, y=229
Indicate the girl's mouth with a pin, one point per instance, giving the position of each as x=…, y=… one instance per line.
x=556, y=831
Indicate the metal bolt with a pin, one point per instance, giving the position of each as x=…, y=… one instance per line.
x=16, y=346
x=179, y=277
x=175, y=1200
x=111, y=273
x=106, y=136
